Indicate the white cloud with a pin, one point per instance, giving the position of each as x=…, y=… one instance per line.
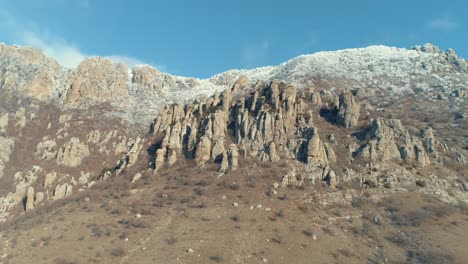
x=445, y=23
x=256, y=54
x=66, y=53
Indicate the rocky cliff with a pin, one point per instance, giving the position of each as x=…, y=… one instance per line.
x=377, y=117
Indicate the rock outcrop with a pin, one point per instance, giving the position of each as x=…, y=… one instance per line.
x=6, y=147
x=271, y=119
x=349, y=110
x=96, y=80
x=29, y=199
x=389, y=140
x=72, y=153
x=26, y=70
x=46, y=150
x=4, y=123
x=149, y=78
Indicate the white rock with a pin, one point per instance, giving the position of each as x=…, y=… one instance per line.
x=235, y=204
x=136, y=177
x=190, y=250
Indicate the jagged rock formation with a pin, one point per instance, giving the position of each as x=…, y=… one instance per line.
x=349, y=110
x=272, y=119
x=391, y=141
x=6, y=147
x=4, y=123
x=29, y=199
x=27, y=71
x=91, y=76
x=46, y=150
x=75, y=127
x=148, y=77
x=72, y=153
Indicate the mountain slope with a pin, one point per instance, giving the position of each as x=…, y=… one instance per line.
x=325, y=130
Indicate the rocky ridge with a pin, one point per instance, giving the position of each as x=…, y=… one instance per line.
x=274, y=117
x=64, y=130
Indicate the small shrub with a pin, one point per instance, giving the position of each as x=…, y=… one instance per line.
x=199, y=191
x=303, y=208
x=308, y=232
x=234, y=186
x=421, y=183
x=328, y=231
x=171, y=240
x=277, y=239
x=279, y=214
x=117, y=252
x=216, y=258
x=284, y=197
x=201, y=183
x=235, y=218
x=346, y=252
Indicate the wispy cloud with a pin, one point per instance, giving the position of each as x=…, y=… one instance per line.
x=255, y=54
x=444, y=23
x=66, y=53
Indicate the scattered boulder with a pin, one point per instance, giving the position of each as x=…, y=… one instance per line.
x=136, y=177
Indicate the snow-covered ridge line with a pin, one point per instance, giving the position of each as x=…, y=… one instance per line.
x=144, y=89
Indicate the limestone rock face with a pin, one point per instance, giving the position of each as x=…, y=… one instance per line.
x=203, y=150
x=349, y=110
x=23, y=181
x=224, y=163
x=4, y=123
x=233, y=156
x=290, y=179
x=46, y=150
x=72, y=153
x=39, y=198
x=391, y=141
x=6, y=147
x=63, y=190
x=25, y=70
x=97, y=80
x=49, y=179
x=148, y=77
x=241, y=82
x=271, y=119
x=316, y=152
x=29, y=199
x=272, y=154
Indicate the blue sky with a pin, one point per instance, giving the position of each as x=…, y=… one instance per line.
x=202, y=38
